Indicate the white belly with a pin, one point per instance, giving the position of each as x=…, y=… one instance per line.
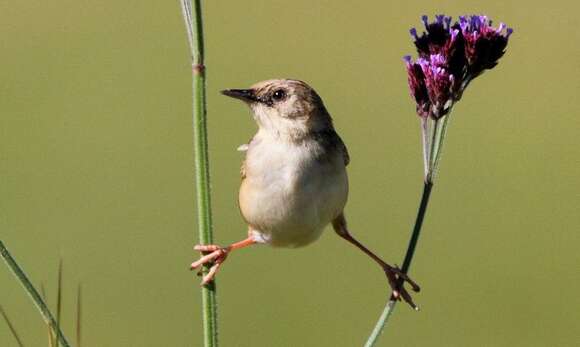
x=288, y=195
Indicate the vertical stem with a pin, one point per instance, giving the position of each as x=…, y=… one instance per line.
x=33, y=294
x=194, y=27
x=378, y=329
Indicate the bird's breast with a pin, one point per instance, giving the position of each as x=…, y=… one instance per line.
x=291, y=192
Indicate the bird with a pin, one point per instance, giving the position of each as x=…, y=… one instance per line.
x=293, y=178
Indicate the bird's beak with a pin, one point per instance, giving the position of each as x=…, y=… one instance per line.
x=247, y=95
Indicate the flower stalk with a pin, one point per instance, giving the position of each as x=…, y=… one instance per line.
x=450, y=56
x=192, y=16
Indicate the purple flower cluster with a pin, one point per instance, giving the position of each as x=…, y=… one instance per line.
x=450, y=56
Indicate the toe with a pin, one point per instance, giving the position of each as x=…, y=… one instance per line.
x=212, y=272
x=414, y=285
x=205, y=259
x=408, y=299
x=206, y=248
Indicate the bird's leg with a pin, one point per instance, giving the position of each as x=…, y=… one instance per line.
x=394, y=275
x=217, y=255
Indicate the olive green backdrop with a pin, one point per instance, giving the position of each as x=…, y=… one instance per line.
x=96, y=168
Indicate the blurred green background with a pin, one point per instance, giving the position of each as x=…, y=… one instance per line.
x=96, y=168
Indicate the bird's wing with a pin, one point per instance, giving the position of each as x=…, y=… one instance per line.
x=342, y=148
x=244, y=148
x=331, y=142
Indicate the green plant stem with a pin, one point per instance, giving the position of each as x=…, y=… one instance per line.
x=389, y=308
x=33, y=294
x=194, y=27
x=417, y=228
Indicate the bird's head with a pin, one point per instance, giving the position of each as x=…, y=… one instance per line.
x=285, y=107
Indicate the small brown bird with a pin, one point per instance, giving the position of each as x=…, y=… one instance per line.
x=294, y=180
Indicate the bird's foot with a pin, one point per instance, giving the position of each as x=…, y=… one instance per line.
x=397, y=279
x=211, y=254
x=214, y=256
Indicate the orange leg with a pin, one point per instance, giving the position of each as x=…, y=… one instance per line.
x=217, y=256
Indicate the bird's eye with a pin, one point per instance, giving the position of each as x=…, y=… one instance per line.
x=279, y=95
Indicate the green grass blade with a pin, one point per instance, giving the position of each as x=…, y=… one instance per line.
x=33, y=294
x=51, y=337
x=59, y=297
x=79, y=315
x=11, y=327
